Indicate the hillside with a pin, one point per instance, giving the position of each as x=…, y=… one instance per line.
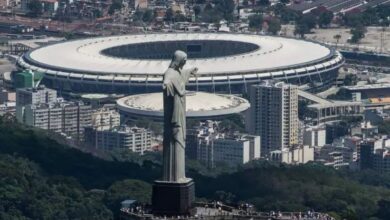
x=40, y=178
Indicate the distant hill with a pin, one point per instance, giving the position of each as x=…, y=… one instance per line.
x=41, y=179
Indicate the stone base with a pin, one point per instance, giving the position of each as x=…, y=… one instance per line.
x=173, y=198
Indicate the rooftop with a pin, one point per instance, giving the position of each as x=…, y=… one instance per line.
x=198, y=104
x=90, y=55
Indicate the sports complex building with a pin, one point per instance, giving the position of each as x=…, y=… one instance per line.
x=228, y=63
x=199, y=105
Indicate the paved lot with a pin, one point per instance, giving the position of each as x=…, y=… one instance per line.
x=371, y=42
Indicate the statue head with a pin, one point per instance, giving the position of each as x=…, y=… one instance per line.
x=178, y=60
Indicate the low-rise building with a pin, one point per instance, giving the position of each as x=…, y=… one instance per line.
x=295, y=155
x=375, y=154
x=68, y=118
x=105, y=117
x=211, y=147
x=122, y=137
x=314, y=136
x=381, y=160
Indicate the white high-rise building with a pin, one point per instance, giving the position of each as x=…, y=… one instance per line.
x=69, y=118
x=273, y=115
x=39, y=95
x=32, y=96
x=107, y=118
x=210, y=147
x=122, y=137
x=314, y=136
x=295, y=155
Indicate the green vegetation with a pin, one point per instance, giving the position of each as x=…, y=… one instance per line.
x=372, y=16
x=384, y=127
x=218, y=10
x=41, y=179
x=116, y=5
x=325, y=18
x=357, y=34
x=35, y=8
x=25, y=193
x=342, y=94
x=274, y=26
x=304, y=25
x=256, y=21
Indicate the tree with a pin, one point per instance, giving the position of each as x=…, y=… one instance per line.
x=127, y=189
x=35, y=8
x=325, y=18
x=211, y=14
x=148, y=16
x=384, y=209
x=226, y=8
x=169, y=15
x=353, y=20
x=301, y=30
x=256, y=21
x=137, y=16
x=357, y=34
x=285, y=2
x=264, y=2
x=179, y=17
x=351, y=80
x=274, y=26
x=304, y=25
x=116, y=5
x=197, y=10
x=337, y=37
x=384, y=128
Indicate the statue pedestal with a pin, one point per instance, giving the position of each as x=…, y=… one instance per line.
x=173, y=198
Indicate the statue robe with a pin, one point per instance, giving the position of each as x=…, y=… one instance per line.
x=174, y=124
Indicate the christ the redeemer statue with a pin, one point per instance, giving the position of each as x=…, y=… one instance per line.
x=174, y=194
x=175, y=79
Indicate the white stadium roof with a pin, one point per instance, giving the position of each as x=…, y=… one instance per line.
x=85, y=56
x=198, y=104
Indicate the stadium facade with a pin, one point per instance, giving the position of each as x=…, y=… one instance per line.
x=228, y=63
x=199, y=105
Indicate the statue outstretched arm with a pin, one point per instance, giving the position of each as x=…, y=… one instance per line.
x=187, y=73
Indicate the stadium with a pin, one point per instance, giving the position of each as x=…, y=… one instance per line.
x=228, y=63
x=199, y=105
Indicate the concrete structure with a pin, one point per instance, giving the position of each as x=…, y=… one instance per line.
x=324, y=110
x=199, y=105
x=375, y=154
x=314, y=136
x=354, y=144
x=48, y=6
x=335, y=6
x=368, y=147
x=381, y=160
x=328, y=152
x=33, y=96
x=106, y=118
x=140, y=4
x=295, y=155
x=68, y=118
x=228, y=63
x=40, y=107
x=6, y=96
x=334, y=159
x=365, y=129
x=122, y=137
x=370, y=90
x=274, y=115
x=207, y=145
